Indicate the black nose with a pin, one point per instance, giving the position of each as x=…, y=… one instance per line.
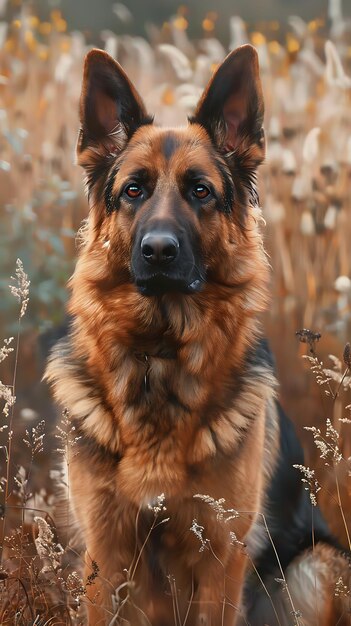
x=159, y=248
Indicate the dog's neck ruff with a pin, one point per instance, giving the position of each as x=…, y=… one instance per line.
x=148, y=373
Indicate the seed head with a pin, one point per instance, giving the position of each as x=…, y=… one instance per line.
x=347, y=355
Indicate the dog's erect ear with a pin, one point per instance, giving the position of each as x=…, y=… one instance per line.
x=231, y=108
x=110, y=107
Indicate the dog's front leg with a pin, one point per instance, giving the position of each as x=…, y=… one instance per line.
x=218, y=598
x=109, y=528
x=98, y=596
x=106, y=580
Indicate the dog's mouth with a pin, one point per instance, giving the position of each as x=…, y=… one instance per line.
x=160, y=283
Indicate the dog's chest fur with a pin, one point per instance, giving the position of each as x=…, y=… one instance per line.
x=158, y=426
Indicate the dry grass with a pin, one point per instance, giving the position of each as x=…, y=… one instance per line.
x=306, y=197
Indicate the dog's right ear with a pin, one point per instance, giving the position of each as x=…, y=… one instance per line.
x=231, y=108
x=110, y=107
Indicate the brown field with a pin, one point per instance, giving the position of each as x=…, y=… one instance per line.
x=305, y=193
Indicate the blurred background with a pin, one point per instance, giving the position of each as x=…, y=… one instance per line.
x=170, y=51
x=91, y=16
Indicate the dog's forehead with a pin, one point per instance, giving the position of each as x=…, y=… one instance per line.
x=166, y=149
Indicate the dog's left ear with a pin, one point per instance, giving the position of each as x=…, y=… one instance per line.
x=110, y=106
x=231, y=108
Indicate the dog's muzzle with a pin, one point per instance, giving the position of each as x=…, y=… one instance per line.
x=162, y=263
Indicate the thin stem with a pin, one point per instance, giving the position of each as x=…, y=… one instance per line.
x=10, y=437
x=175, y=606
x=281, y=570
x=315, y=569
x=341, y=509
x=191, y=599
x=26, y=594
x=294, y=611
x=265, y=589
x=142, y=549
x=339, y=386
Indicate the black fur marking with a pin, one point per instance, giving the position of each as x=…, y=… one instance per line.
x=170, y=145
x=259, y=365
x=153, y=545
x=174, y=400
x=260, y=355
x=289, y=521
x=289, y=504
x=96, y=171
x=228, y=186
x=244, y=181
x=110, y=200
x=289, y=513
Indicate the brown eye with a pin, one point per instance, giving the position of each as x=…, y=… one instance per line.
x=133, y=190
x=201, y=192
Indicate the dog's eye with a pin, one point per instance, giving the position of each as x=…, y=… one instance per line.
x=133, y=190
x=201, y=192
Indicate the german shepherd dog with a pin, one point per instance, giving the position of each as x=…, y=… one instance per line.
x=181, y=475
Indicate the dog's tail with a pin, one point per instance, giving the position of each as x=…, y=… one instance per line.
x=319, y=584
x=315, y=590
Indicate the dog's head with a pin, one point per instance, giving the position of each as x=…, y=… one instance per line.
x=169, y=207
